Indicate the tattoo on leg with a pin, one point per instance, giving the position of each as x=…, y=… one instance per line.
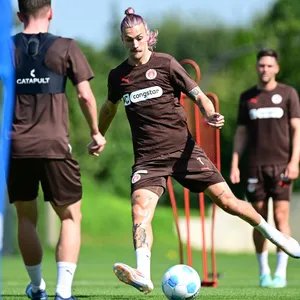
x=139, y=236
x=136, y=196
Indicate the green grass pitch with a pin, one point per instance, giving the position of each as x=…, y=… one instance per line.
x=94, y=278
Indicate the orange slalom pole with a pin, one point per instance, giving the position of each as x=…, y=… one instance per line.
x=201, y=201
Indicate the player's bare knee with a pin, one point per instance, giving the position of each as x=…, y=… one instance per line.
x=136, y=209
x=261, y=206
x=73, y=215
x=27, y=211
x=142, y=207
x=281, y=221
x=71, y=212
x=141, y=214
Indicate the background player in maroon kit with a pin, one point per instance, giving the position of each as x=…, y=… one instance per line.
x=149, y=84
x=40, y=151
x=269, y=125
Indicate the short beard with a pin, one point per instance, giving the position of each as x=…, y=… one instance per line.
x=264, y=81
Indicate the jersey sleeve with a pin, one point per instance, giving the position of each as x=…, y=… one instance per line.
x=180, y=77
x=243, y=114
x=294, y=104
x=78, y=68
x=113, y=90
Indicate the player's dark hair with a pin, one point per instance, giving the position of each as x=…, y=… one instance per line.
x=267, y=52
x=33, y=8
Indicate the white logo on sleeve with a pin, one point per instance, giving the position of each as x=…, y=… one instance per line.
x=266, y=113
x=200, y=160
x=276, y=99
x=142, y=95
x=70, y=148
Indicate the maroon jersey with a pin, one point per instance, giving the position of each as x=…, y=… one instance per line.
x=40, y=124
x=267, y=114
x=151, y=96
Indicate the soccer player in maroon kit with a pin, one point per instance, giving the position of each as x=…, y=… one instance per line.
x=40, y=149
x=269, y=126
x=149, y=84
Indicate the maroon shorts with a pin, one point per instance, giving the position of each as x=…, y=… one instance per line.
x=59, y=178
x=190, y=167
x=264, y=182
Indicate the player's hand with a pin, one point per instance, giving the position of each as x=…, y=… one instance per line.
x=216, y=120
x=292, y=170
x=97, y=144
x=235, y=175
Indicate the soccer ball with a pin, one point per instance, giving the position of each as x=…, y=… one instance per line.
x=181, y=282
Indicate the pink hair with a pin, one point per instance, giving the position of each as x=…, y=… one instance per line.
x=132, y=19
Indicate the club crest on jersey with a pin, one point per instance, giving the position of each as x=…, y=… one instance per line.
x=151, y=74
x=276, y=99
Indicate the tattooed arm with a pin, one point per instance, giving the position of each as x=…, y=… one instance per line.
x=206, y=107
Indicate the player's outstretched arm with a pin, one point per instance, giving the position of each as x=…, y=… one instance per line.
x=206, y=107
x=107, y=113
x=240, y=143
x=88, y=107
